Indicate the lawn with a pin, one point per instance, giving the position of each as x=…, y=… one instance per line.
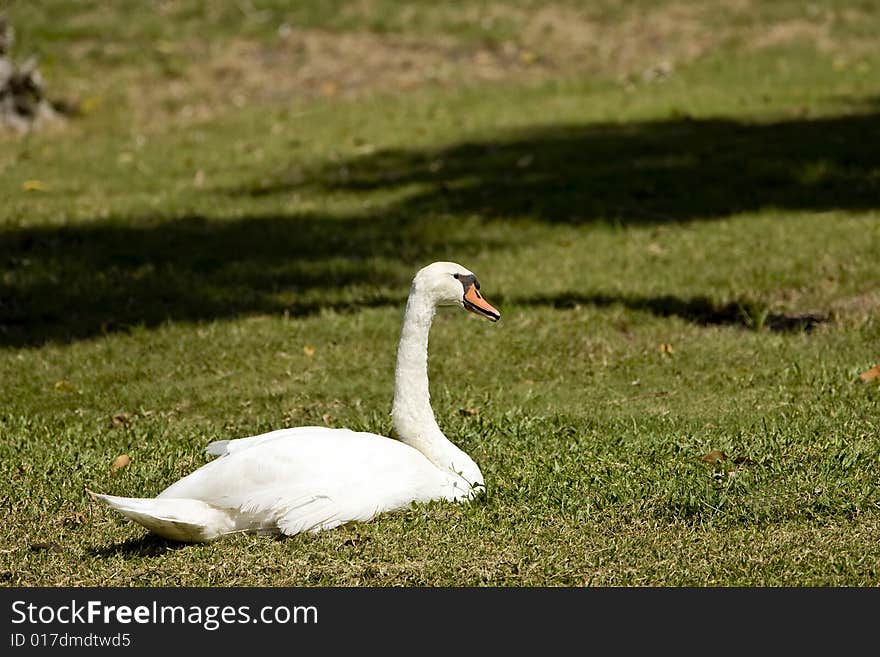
x=674, y=206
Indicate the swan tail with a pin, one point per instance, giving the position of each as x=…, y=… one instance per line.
x=186, y=520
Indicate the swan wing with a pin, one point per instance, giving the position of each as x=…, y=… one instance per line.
x=222, y=447
x=294, y=509
x=312, y=478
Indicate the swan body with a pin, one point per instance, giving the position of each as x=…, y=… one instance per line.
x=308, y=479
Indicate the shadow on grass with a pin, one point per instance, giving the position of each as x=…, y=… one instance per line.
x=76, y=282
x=631, y=173
x=68, y=283
x=149, y=545
x=698, y=310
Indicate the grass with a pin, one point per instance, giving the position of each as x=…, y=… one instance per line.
x=685, y=261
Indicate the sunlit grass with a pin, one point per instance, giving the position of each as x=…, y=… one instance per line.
x=682, y=265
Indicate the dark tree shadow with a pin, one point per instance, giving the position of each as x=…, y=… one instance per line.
x=149, y=545
x=76, y=282
x=67, y=283
x=634, y=173
x=699, y=310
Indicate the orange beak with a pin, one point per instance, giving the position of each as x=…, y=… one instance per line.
x=475, y=302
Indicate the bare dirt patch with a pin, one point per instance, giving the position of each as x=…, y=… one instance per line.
x=549, y=42
x=314, y=63
x=817, y=32
x=857, y=309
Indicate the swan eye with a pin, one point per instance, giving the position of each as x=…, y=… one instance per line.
x=467, y=280
x=455, y=276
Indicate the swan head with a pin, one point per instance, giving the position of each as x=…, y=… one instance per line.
x=450, y=284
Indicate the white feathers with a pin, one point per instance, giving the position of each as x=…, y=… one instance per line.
x=185, y=520
x=310, y=478
x=221, y=447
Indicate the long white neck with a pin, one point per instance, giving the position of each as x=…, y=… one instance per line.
x=411, y=412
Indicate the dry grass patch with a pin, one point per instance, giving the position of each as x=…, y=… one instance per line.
x=363, y=52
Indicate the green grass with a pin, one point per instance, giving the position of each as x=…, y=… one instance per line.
x=182, y=280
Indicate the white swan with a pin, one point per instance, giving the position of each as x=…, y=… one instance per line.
x=316, y=478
